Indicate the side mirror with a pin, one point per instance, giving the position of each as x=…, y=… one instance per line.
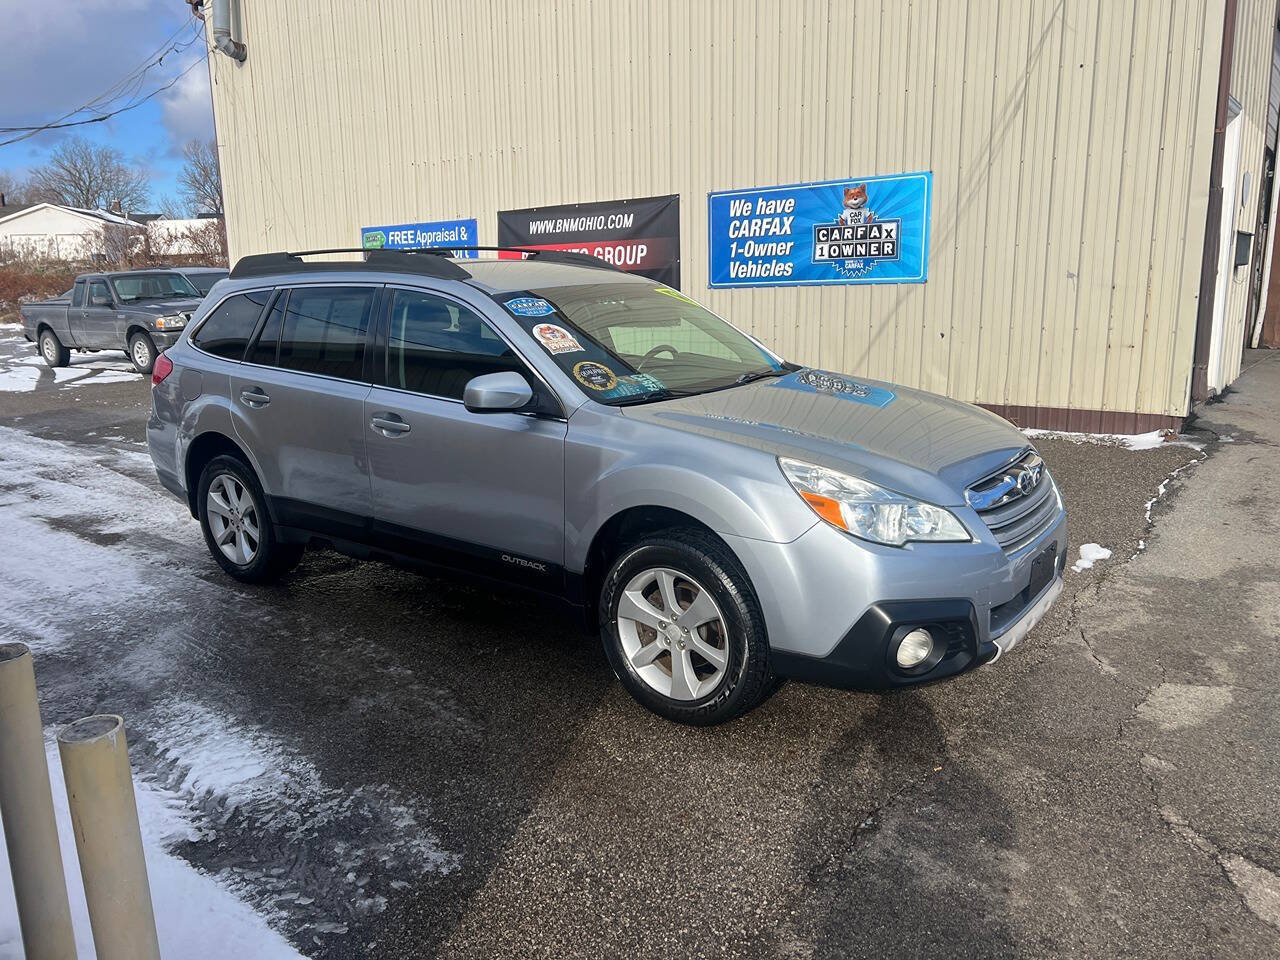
x=497, y=392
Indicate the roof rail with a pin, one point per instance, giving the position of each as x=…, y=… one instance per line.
x=427, y=261
x=404, y=261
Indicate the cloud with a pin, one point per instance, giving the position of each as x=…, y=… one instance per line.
x=187, y=109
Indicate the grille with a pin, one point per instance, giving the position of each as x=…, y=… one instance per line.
x=1016, y=516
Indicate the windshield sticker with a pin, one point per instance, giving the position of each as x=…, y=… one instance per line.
x=556, y=340
x=677, y=295
x=647, y=381
x=834, y=384
x=595, y=376
x=635, y=385
x=530, y=307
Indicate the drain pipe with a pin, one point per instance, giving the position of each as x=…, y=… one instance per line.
x=222, y=32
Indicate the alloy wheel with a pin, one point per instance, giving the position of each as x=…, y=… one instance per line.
x=233, y=519
x=141, y=354
x=673, y=633
x=49, y=350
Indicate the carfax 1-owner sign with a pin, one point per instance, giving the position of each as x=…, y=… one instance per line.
x=867, y=230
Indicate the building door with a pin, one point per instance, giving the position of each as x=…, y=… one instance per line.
x=1226, y=247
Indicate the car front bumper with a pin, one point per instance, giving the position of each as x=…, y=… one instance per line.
x=836, y=607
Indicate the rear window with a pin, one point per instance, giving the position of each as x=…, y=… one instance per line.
x=324, y=330
x=227, y=331
x=204, y=281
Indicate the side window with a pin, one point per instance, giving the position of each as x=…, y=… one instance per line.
x=264, y=349
x=435, y=346
x=77, y=293
x=324, y=330
x=227, y=331
x=99, y=295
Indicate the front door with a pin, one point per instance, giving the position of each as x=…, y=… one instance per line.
x=484, y=491
x=299, y=407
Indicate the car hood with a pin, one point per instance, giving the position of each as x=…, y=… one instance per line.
x=907, y=440
x=163, y=308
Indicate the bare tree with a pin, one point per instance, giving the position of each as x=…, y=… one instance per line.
x=80, y=174
x=14, y=190
x=200, y=182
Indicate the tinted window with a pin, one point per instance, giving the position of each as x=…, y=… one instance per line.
x=324, y=330
x=264, y=348
x=227, y=331
x=204, y=281
x=77, y=294
x=435, y=346
x=99, y=296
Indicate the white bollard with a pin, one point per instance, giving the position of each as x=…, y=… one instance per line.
x=95, y=763
x=26, y=802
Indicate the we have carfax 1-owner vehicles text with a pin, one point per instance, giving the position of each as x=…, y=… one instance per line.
x=727, y=518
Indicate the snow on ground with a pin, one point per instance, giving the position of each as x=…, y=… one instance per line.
x=1131, y=441
x=99, y=517
x=195, y=916
x=1090, y=553
x=28, y=373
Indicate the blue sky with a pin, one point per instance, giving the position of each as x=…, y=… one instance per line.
x=61, y=53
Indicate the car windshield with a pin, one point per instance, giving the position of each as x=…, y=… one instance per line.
x=153, y=286
x=625, y=343
x=204, y=281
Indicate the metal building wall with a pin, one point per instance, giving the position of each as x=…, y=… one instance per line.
x=1251, y=86
x=1069, y=142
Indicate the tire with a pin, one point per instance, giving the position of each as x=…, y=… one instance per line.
x=142, y=352
x=52, y=350
x=643, y=654
x=252, y=560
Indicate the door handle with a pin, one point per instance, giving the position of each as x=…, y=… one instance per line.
x=388, y=424
x=254, y=397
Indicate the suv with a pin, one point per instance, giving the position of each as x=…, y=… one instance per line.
x=726, y=519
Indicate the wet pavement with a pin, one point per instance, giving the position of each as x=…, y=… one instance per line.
x=386, y=764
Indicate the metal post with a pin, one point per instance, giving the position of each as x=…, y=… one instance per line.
x=95, y=763
x=26, y=803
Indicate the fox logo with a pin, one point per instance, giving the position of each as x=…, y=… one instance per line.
x=855, y=203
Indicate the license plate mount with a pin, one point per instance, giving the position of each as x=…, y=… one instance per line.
x=1042, y=570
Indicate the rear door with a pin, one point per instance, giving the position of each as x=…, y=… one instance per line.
x=483, y=490
x=299, y=401
x=75, y=313
x=97, y=319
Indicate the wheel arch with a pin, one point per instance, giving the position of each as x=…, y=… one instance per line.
x=201, y=450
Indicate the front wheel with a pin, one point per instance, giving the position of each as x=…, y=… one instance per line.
x=237, y=528
x=142, y=352
x=683, y=630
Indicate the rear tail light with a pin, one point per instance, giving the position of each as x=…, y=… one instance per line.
x=163, y=367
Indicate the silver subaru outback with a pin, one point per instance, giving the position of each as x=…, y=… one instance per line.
x=725, y=518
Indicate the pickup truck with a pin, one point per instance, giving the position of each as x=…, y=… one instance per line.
x=138, y=311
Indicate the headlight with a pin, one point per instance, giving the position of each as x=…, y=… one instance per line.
x=869, y=511
x=171, y=323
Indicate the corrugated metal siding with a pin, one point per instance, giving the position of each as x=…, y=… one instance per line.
x=1251, y=86
x=1069, y=144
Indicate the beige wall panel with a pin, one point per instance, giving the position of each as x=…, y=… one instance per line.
x=354, y=112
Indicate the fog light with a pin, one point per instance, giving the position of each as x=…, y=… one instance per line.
x=915, y=648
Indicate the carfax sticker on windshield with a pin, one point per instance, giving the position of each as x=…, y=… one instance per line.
x=595, y=376
x=530, y=307
x=555, y=339
x=820, y=381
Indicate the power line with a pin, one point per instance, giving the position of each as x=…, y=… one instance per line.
x=128, y=87
x=31, y=132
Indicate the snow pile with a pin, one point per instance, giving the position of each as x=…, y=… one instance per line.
x=195, y=916
x=1130, y=441
x=1090, y=553
x=19, y=375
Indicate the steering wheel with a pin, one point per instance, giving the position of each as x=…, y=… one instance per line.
x=654, y=351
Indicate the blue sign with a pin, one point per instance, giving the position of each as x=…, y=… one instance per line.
x=415, y=236
x=868, y=230
x=530, y=307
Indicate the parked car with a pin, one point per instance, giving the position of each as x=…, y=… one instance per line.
x=725, y=518
x=138, y=311
x=203, y=278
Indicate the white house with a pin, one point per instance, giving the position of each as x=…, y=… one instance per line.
x=50, y=231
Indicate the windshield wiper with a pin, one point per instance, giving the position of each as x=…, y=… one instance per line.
x=663, y=394
x=758, y=375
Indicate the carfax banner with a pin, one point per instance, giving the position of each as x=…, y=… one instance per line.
x=641, y=235
x=867, y=230
x=416, y=236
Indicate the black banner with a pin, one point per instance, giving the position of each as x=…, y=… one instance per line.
x=640, y=236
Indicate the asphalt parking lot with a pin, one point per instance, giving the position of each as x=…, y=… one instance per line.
x=386, y=764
